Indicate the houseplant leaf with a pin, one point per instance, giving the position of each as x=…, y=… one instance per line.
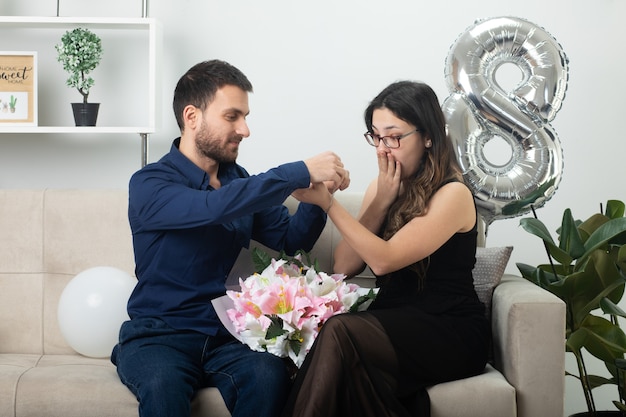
x=621, y=258
x=569, y=239
x=614, y=228
x=537, y=228
x=585, y=289
x=603, y=339
x=609, y=307
x=615, y=209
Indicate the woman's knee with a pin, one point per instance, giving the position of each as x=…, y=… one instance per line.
x=337, y=328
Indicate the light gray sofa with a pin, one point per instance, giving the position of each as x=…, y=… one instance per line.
x=49, y=236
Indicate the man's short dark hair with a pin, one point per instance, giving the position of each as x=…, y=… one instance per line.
x=200, y=83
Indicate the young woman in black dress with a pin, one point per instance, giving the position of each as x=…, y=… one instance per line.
x=416, y=230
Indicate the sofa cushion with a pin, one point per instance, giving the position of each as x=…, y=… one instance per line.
x=74, y=385
x=488, y=271
x=21, y=220
x=472, y=394
x=86, y=228
x=21, y=303
x=12, y=367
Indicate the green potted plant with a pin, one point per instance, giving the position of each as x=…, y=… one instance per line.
x=80, y=52
x=587, y=270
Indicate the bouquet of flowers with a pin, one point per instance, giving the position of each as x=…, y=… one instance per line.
x=282, y=309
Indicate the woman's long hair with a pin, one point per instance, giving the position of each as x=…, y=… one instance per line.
x=417, y=104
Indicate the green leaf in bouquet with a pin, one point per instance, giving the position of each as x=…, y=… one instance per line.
x=260, y=259
x=275, y=329
x=370, y=296
x=295, y=343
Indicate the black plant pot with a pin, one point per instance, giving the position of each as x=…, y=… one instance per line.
x=85, y=114
x=609, y=413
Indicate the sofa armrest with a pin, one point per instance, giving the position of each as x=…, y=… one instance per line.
x=528, y=325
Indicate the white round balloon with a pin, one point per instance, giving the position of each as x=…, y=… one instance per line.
x=92, y=308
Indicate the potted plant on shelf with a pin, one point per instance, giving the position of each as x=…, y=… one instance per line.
x=587, y=270
x=80, y=52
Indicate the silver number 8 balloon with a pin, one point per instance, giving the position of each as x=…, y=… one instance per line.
x=479, y=109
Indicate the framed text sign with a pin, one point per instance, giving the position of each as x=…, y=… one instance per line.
x=18, y=88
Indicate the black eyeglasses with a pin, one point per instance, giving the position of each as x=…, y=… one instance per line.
x=392, y=142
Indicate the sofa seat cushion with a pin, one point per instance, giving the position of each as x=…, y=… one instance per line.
x=12, y=367
x=472, y=394
x=75, y=385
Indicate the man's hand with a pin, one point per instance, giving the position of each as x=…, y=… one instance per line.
x=328, y=168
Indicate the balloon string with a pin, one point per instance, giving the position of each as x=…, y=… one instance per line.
x=482, y=227
x=545, y=245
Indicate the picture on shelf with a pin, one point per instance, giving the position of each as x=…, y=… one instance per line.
x=18, y=88
x=13, y=105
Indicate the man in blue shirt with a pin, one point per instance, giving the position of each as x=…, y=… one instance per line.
x=191, y=213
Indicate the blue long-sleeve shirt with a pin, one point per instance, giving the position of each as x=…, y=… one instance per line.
x=187, y=235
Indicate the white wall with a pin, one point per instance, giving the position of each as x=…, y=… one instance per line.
x=314, y=66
